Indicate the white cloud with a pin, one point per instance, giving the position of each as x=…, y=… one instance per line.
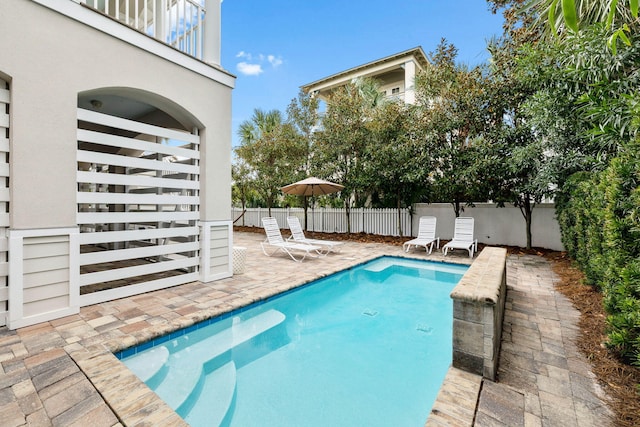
x=252, y=64
x=275, y=62
x=249, y=69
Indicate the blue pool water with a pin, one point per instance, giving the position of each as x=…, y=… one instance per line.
x=366, y=346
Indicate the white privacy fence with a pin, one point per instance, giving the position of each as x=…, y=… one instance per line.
x=493, y=225
x=329, y=220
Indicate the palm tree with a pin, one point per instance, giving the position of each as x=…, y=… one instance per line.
x=562, y=14
x=272, y=149
x=260, y=124
x=369, y=92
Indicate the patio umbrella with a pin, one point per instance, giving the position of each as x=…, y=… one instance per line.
x=311, y=186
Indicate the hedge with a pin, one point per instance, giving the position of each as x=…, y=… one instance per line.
x=599, y=217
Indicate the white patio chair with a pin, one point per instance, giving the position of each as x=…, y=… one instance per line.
x=462, y=237
x=297, y=234
x=426, y=235
x=275, y=241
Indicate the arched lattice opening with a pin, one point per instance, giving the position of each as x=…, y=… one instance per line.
x=138, y=196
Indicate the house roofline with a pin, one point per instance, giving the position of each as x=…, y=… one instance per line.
x=417, y=52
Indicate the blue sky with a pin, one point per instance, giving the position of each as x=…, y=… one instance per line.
x=276, y=46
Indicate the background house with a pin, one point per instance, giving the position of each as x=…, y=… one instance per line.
x=395, y=73
x=115, y=140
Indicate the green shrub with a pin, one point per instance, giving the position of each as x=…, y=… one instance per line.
x=621, y=244
x=567, y=212
x=599, y=217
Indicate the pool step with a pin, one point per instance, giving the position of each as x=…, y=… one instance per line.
x=220, y=388
x=150, y=367
x=186, y=366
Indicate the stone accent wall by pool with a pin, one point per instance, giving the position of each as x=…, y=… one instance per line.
x=478, y=309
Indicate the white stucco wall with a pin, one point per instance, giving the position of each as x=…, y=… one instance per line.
x=49, y=59
x=497, y=226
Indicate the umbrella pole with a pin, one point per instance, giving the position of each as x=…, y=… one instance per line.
x=305, y=213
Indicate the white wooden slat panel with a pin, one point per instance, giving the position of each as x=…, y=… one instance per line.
x=43, y=278
x=36, y=265
x=216, y=263
x=219, y=233
x=4, y=169
x=144, y=181
x=45, y=250
x=135, y=144
x=219, y=243
x=219, y=252
x=134, y=162
x=120, y=123
x=124, y=236
x=124, y=254
x=38, y=240
x=4, y=268
x=51, y=290
x=116, y=217
x=135, y=198
x=127, y=291
x=5, y=95
x=138, y=270
x=44, y=306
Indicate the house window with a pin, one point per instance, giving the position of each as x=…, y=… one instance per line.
x=395, y=91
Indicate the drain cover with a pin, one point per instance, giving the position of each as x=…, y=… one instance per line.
x=424, y=328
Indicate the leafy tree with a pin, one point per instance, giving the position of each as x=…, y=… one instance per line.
x=341, y=142
x=583, y=105
x=453, y=99
x=272, y=149
x=242, y=182
x=399, y=157
x=303, y=115
x=516, y=160
x=512, y=150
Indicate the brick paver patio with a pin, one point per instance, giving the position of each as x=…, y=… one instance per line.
x=63, y=372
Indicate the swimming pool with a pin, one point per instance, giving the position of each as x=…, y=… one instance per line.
x=366, y=346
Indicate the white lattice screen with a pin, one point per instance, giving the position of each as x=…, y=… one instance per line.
x=138, y=207
x=4, y=199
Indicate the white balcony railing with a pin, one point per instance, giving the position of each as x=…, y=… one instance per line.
x=178, y=23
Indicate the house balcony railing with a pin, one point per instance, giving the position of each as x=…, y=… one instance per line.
x=398, y=96
x=178, y=23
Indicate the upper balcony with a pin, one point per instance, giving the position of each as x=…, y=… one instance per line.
x=178, y=23
x=184, y=32
x=392, y=72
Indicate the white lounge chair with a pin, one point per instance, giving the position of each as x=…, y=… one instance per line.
x=275, y=241
x=426, y=235
x=462, y=237
x=297, y=234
